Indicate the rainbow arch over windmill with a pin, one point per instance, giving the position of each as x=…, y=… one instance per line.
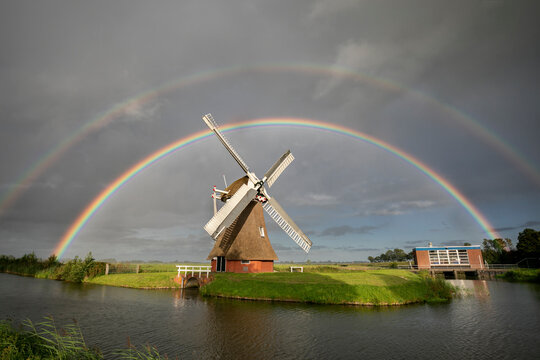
x=82, y=219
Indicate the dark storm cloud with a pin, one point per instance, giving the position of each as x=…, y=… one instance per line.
x=528, y=224
x=458, y=242
x=64, y=64
x=346, y=229
x=416, y=242
x=356, y=249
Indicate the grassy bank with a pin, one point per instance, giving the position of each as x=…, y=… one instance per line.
x=159, y=280
x=521, y=275
x=46, y=340
x=371, y=287
x=337, y=267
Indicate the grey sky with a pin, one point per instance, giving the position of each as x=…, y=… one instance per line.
x=420, y=64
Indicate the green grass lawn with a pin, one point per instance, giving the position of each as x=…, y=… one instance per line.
x=284, y=267
x=166, y=267
x=158, y=280
x=372, y=287
x=368, y=287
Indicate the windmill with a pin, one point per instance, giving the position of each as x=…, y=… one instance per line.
x=238, y=227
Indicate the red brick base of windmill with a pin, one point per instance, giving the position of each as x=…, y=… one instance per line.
x=245, y=266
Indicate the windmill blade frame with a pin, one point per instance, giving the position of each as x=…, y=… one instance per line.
x=284, y=221
x=209, y=120
x=273, y=173
x=230, y=211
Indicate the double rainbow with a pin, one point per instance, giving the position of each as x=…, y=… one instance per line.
x=145, y=163
x=123, y=108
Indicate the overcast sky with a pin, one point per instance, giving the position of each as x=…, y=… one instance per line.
x=438, y=79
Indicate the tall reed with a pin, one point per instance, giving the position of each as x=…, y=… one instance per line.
x=46, y=340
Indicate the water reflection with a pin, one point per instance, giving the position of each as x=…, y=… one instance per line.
x=476, y=288
x=498, y=319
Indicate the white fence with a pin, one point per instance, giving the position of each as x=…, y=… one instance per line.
x=193, y=270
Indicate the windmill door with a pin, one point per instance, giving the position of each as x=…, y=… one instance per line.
x=220, y=264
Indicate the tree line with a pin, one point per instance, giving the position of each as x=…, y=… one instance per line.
x=75, y=270
x=392, y=256
x=502, y=251
x=494, y=251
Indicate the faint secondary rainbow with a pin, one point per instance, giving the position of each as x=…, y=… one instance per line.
x=143, y=164
x=133, y=104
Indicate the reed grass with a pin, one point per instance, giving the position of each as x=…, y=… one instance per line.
x=46, y=340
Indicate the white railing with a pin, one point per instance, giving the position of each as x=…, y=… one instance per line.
x=193, y=270
x=301, y=268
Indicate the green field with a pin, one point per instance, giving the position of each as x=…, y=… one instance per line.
x=371, y=287
x=157, y=280
x=337, y=267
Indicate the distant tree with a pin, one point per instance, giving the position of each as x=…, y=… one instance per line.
x=529, y=242
x=466, y=244
x=400, y=255
x=497, y=251
x=391, y=256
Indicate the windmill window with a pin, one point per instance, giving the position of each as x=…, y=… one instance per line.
x=261, y=231
x=244, y=261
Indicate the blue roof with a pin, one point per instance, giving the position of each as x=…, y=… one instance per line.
x=472, y=247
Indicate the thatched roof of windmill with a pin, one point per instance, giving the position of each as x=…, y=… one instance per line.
x=242, y=240
x=233, y=188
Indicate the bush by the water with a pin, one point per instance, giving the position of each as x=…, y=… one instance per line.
x=75, y=270
x=46, y=340
x=28, y=264
x=522, y=275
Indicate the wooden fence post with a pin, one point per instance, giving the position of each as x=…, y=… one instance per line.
x=138, y=267
x=106, y=269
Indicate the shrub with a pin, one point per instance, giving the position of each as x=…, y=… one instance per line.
x=77, y=270
x=97, y=268
x=440, y=289
x=521, y=275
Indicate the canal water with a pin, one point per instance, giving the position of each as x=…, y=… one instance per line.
x=494, y=320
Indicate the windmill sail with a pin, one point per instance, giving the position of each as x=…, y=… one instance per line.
x=209, y=120
x=230, y=211
x=279, y=215
x=273, y=173
x=251, y=189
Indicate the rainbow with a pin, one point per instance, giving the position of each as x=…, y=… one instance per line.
x=46, y=160
x=145, y=163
